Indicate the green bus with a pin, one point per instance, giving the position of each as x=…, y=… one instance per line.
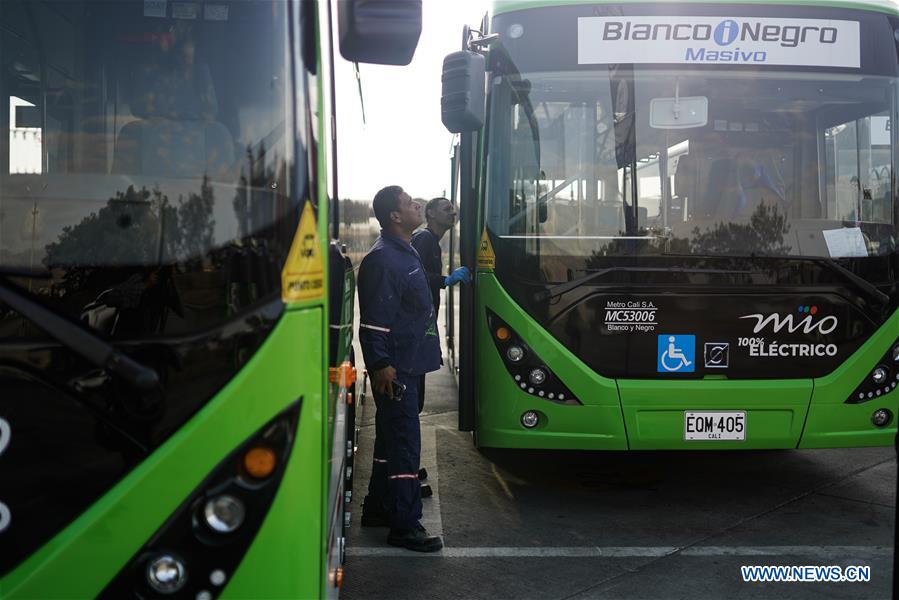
x=176, y=373
x=684, y=217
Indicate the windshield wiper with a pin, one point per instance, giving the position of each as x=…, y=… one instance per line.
x=558, y=290
x=860, y=282
x=76, y=338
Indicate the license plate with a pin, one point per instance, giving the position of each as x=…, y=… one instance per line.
x=706, y=426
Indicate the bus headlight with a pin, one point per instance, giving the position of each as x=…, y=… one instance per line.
x=537, y=376
x=166, y=574
x=530, y=419
x=214, y=526
x=881, y=417
x=882, y=379
x=224, y=513
x=528, y=371
x=515, y=353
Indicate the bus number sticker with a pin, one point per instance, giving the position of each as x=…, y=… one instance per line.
x=630, y=316
x=486, y=257
x=303, y=277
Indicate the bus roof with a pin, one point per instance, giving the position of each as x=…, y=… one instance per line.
x=885, y=6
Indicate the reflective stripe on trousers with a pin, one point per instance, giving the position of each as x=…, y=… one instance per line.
x=398, y=438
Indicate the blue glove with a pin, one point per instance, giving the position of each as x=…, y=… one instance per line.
x=460, y=274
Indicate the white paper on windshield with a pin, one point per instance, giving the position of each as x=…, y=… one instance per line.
x=154, y=8
x=185, y=10
x=215, y=12
x=847, y=241
x=719, y=40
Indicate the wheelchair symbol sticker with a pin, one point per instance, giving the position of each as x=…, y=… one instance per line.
x=677, y=353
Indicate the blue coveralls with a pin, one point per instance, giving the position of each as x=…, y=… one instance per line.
x=427, y=245
x=397, y=328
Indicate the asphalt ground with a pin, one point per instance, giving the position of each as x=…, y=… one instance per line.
x=546, y=524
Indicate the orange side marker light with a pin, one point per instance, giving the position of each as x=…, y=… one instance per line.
x=260, y=462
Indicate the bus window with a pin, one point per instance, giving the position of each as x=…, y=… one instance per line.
x=858, y=169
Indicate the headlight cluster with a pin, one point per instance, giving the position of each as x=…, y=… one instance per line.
x=528, y=371
x=199, y=547
x=881, y=380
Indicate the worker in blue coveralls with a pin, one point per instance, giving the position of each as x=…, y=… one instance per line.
x=398, y=334
x=440, y=215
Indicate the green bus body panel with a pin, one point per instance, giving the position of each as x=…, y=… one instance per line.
x=597, y=425
x=884, y=6
x=649, y=414
x=654, y=411
x=285, y=559
x=833, y=424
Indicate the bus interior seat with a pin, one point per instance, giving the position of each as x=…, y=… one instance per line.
x=685, y=176
x=721, y=192
x=610, y=217
x=175, y=133
x=759, y=185
x=684, y=188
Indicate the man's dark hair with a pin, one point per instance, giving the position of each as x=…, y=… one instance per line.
x=386, y=201
x=432, y=204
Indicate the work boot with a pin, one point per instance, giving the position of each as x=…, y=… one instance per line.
x=416, y=539
x=426, y=491
x=373, y=514
x=422, y=474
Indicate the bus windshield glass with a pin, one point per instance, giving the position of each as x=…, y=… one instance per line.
x=615, y=160
x=147, y=166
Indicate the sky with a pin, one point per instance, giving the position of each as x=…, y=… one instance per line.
x=403, y=141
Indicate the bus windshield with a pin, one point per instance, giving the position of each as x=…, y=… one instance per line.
x=632, y=159
x=147, y=166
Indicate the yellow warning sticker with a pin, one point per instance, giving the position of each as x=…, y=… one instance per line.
x=486, y=257
x=303, y=277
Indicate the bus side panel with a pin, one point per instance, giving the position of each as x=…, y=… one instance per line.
x=286, y=368
x=595, y=425
x=285, y=561
x=834, y=424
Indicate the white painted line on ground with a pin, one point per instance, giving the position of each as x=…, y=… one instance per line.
x=430, y=514
x=849, y=552
x=816, y=552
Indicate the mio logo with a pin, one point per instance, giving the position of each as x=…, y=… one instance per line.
x=792, y=323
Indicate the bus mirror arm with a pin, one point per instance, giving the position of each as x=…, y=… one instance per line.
x=482, y=42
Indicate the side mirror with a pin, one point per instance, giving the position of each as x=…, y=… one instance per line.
x=381, y=32
x=462, y=97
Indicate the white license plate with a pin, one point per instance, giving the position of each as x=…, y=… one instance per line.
x=706, y=426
